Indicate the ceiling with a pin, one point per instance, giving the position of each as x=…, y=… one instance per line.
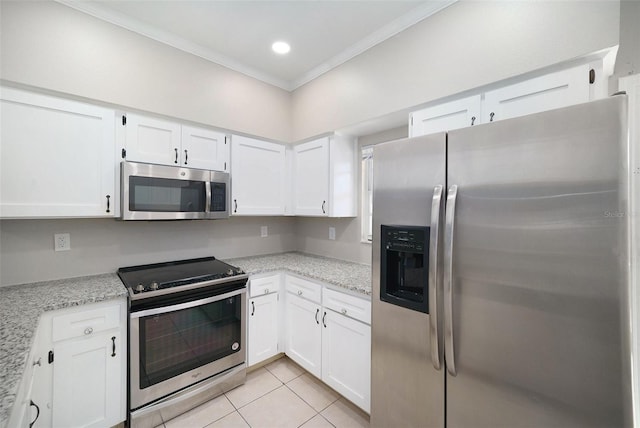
x=238, y=34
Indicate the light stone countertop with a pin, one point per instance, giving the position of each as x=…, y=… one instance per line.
x=350, y=276
x=21, y=307
x=23, y=304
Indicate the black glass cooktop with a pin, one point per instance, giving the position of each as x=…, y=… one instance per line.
x=159, y=276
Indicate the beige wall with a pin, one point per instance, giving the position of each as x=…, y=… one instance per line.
x=104, y=245
x=469, y=44
x=51, y=46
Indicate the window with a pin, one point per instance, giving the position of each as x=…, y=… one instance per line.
x=367, y=193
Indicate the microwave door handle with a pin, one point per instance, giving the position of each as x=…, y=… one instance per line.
x=434, y=277
x=207, y=204
x=450, y=211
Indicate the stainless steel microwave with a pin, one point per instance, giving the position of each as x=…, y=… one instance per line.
x=158, y=192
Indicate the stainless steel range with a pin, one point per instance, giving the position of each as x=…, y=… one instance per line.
x=186, y=333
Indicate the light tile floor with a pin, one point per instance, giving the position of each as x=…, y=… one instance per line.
x=280, y=394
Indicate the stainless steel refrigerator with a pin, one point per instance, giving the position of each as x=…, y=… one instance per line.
x=500, y=274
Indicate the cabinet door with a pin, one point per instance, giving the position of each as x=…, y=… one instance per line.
x=263, y=328
x=444, y=117
x=311, y=178
x=153, y=140
x=304, y=335
x=551, y=91
x=346, y=357
x=257, y=177
x=204, y=149
x=87, y=381
x=57, y=157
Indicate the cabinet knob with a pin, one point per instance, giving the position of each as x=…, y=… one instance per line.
x=343, y=311
x=38, y=362
x=299, y=292
x=266, y=291
x=88, y=330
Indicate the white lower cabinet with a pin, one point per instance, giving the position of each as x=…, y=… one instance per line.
x=87, y=385
x=304, y=335
x=346, y=357
x=76, y=373
x=263, y=328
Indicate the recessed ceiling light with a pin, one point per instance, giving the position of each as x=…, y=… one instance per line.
x=281, y=47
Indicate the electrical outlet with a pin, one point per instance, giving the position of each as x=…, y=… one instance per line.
x=61, y=242
x=264, y=231
x=332, y=233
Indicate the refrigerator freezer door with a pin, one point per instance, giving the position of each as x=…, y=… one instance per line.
x=406, y=388
x=540, y=268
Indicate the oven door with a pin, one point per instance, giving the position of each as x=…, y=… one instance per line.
x=176, y=346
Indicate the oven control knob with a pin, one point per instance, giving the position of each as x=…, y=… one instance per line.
x=230, y=272
x=153, y=285
x=139, y=288
x=239, y=271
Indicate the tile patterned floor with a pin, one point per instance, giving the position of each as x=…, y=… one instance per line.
x=280, y=394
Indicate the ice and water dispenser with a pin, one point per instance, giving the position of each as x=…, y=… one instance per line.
x=404, y=266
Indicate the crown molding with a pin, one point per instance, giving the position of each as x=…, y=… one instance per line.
x=394, y=27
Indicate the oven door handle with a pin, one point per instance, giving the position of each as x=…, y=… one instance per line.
x=187, y=305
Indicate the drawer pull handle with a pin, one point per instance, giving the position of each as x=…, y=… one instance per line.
x=253, y=308
x=317, y=312
x=323, y=317
x=344, y=311
x=88, y=330
x=113, y=349
x=299, y=292
x=37, y=412
x=176, y=149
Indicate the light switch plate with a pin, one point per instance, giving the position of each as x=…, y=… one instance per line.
x=332, y=233
x=61, y=242
x=264, y=231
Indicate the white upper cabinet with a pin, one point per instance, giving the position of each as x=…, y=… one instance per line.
x=551, y=91
x=445, y=117
x=324, y=177
x=258, y=177
x=57, y=157
x=163, y=142
x=204, y=149
x=574, y=85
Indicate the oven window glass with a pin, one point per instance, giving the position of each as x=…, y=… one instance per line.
x=166, y=195
x=218, y=197
x=175, y=342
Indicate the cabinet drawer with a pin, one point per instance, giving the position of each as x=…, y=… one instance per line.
x=303, y=288
x=85, y=322
x=346, y=304
x=265, y=285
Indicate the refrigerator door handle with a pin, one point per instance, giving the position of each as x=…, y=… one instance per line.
x=434, y=283
x=448, y=280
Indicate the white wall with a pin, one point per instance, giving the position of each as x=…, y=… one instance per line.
x=467, y=45
x=48, y=45
x=104, y=245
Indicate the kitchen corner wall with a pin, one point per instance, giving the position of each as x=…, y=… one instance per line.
x=104, y=245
